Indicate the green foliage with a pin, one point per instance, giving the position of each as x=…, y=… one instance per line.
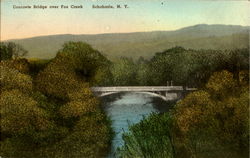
x=22, y=65
x=143, y=74
x=37, y=65
x=102, y=77
x=193, y=67
x=212, y=122
x=12, y=79
x=124, y=72
x=11, y=50
x=20, y=114
x=86, y=61
x=152, y=137
x=78, y=108
x=5, y=54
x=222, y=83
x=215, y=121
x=59, y=117
x=58, y=79
x=88, y=139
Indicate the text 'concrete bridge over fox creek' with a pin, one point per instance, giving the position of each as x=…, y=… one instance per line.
x=164, y=92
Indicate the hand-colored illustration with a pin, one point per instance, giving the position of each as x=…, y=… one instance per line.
x=124, y=79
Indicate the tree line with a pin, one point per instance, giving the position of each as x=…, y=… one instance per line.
x=183, y=67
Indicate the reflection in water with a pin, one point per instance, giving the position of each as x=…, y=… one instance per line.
x=129, y=109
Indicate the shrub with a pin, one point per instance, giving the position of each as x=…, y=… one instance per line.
x=151, y=137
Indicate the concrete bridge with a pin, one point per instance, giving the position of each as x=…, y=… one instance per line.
x=164, y=92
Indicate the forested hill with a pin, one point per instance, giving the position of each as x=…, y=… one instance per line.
x=144, y=43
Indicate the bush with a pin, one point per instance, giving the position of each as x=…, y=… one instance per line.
x=152, y=137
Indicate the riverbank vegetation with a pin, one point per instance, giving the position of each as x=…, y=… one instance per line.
x=48, y=109
x=209, y=123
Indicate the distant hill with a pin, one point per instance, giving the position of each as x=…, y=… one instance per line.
x=144, y=43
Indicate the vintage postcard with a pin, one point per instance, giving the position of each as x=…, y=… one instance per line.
x=124, y=79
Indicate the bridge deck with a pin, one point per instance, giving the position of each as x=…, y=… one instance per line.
x=139, y=88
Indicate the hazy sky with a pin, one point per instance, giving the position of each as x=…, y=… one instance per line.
x=142, y=15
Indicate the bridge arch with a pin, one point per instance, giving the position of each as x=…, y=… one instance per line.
x=149, y=93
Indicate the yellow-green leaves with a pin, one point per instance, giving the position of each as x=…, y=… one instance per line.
x=78, y=108
x=217, y=115
x=20, y=113
x=222, y=83
x=12, y=78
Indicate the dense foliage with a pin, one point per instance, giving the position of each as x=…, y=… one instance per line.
x=183, y=67
x=152, y=137
x=11, y=50
x=48, y=110
x=212, y=122
x=55, y=114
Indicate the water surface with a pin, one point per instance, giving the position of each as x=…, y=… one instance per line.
x=128, y=108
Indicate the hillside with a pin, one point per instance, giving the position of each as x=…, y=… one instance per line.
x=144, y=43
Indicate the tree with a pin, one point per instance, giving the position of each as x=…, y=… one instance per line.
x=5, y=55
x=124, y=72
x=58, y=117
x=161, y=68
x=143, y=74
x=11, y=50
x=20, y=114
x=58, y=78
x=85, y=60
x=215, y=118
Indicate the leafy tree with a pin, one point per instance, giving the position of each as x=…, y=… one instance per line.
x=102, y=77
x=20, y=114
x=215, y=118
x=11, y=50
x=161, y=68
x=193, y=67
x=58, y=78
x=143, y=74
x=86, y=61
x=56, y=118
x=4, y=52
x=124, y=72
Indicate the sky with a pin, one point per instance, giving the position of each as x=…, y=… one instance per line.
x=140, y=16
